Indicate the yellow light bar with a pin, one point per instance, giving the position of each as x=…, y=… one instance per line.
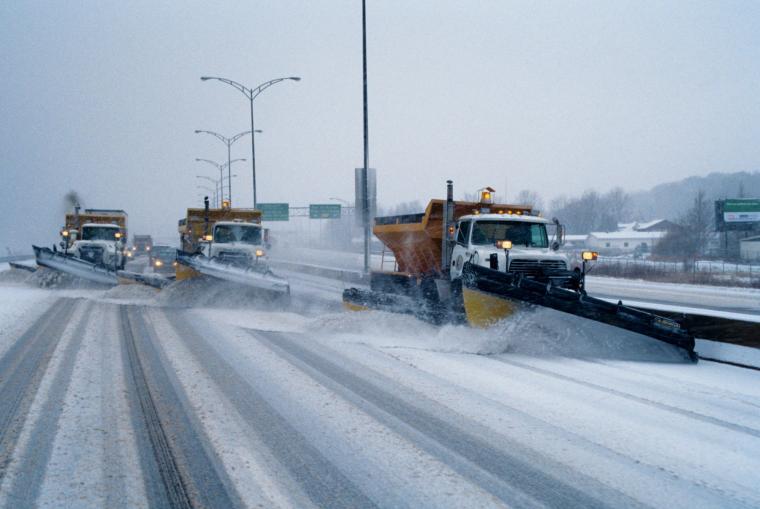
x=589, y=256
x=486, y=195
x=504, y=244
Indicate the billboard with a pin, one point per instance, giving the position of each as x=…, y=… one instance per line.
x=274, y=211
x=737, y=214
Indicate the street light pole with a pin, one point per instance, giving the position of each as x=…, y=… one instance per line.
x=220, y=167
x=365, y=187
x=228, y=142
x=251, y=94
x=206, y=188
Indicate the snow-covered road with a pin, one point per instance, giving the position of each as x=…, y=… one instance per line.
x=113, y=398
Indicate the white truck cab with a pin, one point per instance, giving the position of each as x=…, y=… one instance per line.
x=479, y=239
x=238, y=243
x=101, y=244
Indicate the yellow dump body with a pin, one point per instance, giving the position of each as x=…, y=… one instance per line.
x=75, y=222
x=196, y=226
x=415, y=239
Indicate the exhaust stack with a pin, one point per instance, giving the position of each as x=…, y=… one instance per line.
x=448, y=219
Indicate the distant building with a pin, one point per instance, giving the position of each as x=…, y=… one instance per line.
x=624, y=242
x=658, y=225
x=575, y=241
x=749, y=248
x=636, y=237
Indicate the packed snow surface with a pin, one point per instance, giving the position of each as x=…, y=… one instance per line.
x=295, y=403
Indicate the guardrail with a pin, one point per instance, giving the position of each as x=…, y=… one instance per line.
x=344, y=275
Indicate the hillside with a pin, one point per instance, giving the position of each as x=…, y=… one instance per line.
x=670, y=200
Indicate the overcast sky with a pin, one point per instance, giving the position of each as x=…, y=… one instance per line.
x=103, y=97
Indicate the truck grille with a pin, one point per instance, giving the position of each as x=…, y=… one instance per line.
x=234, y=258
x=536, y=267
x=93, y=254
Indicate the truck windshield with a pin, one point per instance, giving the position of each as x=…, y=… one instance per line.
x=99, y=233
x=519, y=232
x=227, y=233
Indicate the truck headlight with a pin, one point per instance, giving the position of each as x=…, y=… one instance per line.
x=158, y=263
x=259, y=253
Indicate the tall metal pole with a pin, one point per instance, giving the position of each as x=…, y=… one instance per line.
x=365, y=188
x=221, y=186
x=229, y=171
x=253, y=152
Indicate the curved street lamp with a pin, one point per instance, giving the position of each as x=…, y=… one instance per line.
x=228, y=142
x=216, y=187
x=251, y=94
x=208, y=189
x=220, y=167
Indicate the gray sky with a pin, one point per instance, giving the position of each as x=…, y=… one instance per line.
x=103, y=97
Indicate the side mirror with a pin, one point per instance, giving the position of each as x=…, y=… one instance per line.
x=560, y=234
x=555, y=245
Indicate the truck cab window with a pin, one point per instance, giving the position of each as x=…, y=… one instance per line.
x=463, y=233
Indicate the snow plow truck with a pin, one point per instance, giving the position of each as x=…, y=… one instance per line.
x=476, y=262
x=226, y=243
x=92, y=245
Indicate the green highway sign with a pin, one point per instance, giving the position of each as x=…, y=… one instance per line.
x=324, y=211
x=274, y=211
x=740, y=206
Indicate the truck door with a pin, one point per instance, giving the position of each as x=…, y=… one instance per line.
x=460, y=254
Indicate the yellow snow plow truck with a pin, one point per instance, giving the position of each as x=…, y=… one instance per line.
x=226, y=243
x=92, y=245
x=474, y=262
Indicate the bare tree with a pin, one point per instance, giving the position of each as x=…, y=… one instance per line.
x=529, y=197
x=691, y=239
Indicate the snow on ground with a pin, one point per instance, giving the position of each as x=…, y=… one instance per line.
x=624, y=410
x=699, y=296
x=726, y=352
x=386, y=401
x=19, y=307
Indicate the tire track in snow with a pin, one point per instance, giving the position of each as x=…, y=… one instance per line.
x=501, y=471
x=22, y=368
x=173, y=449
x=30, y=474
x=321, y=480
x=632, y=397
